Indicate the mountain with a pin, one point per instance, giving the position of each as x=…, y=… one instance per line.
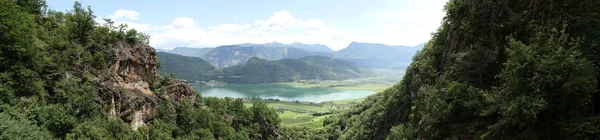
x=191, y=52
x=187, y=68
x=185, y=51
x=307, y=47
x=493, y=70
x=258, y=70
x=378, y=56
x=227, y=56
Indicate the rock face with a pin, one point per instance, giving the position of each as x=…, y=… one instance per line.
x=127, y=90
x=177, y=91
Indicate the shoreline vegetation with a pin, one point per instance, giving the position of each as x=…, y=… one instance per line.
x=304, y=114
x=312, y=114
x=385, y=78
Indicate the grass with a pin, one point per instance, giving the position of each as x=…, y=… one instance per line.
x=301, y=113
x=383, y=80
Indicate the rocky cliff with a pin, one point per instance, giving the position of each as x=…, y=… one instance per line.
x=129, y=87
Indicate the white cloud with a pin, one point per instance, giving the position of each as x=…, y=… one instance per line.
x=184, y=22
x=125, y=14
x=230, y=27
x=282, y=27
x=409, y=26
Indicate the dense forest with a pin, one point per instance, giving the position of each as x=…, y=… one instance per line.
x=495, y=69
x=184, y=67
x=64, y=76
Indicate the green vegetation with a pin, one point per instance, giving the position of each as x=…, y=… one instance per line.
x=50, y=66
x=188, y=68
x=382, y=80
x=258, y=70
x=305, y=114
x=493, y=70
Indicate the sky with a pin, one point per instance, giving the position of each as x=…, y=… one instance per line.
x=212, y=23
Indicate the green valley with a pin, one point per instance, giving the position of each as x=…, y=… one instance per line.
x=258, y=70
x=492, y=69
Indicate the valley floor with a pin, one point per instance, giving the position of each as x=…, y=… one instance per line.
x=311, y=114
x=306, y=114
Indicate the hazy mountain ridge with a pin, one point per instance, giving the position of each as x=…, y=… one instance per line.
x=227, y=56
x=258, y=70
x=307, y=47
x=372, y=55
x=379, y=56
x=187, y=51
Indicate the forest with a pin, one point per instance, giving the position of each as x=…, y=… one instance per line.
x=52, y=69
x=494, y=69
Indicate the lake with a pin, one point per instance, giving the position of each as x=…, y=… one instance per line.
x=282, y=92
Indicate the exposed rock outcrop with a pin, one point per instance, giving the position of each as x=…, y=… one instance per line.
x=177, y=91
x=127, y=90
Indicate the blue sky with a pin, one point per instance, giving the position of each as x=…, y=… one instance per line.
x=335, y=23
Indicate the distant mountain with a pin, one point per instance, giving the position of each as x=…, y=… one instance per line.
x=192, y=52
x=185, y=51
x=161, y=50
x=231, y=55
x=379, y=56
x=308, y=47
x=372, y=55
x=258, y=70
x=188, y=68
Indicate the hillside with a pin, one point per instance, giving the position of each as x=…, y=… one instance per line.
x=258, y=70
x=65, y=76
x=378, y=56
x=187, y=68
x=227, y=56
x=493, y=70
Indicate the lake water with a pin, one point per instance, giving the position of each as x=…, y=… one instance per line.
x=282, y=92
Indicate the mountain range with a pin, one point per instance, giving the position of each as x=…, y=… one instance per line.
x=308, y=47
x=372, y=55
x=227, y=56
x=258, y=70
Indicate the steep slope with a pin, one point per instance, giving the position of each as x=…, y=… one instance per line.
x=63, y=76
x=375, y=55
x=188, y=68
x=286, y=70
x=307, y=47
x=227, y=56
x=494, y=70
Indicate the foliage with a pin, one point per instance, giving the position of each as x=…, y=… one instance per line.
x=50, y=65
x=258, y=70
x=188, y=68
x=493, y=70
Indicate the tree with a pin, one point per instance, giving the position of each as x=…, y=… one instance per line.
x=19, y=57
x=19, y=128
